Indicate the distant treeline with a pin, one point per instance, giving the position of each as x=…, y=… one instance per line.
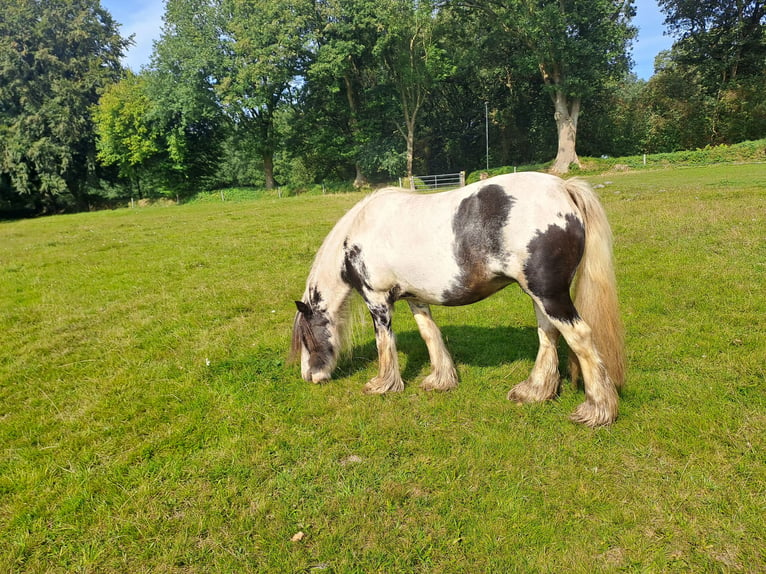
x=300, y=92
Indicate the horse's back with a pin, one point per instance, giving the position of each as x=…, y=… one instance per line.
x=459, y=246
x=509, y=208
x=527, y=190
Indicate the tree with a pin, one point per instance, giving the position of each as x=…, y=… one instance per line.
x=724, y=39
x=342, y=78
x=411, y=59
x=618, y=120
x=491, y=85
x=182, y=82
x=125, y=136
x=265, y=52
x=577, y=46
x=721, y=49
x=55, y=59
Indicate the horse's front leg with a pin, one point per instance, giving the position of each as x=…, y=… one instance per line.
x=388, y=378
x=443, y=376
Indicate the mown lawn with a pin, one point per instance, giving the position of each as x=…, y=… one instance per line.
x=149, y=423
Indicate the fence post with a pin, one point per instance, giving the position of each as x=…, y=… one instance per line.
x=462, y=179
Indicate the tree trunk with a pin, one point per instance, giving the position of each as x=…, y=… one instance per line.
x=410, y=147
x=566, y=115
x=361, y=179
x=268, y=169
x=411, y=100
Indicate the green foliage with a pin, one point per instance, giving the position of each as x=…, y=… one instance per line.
x=412, y=61
x=55, y=59
x=181, y=85
x=704, y=91
x=579, y=45
x=261, y=59
x=723, y=41
x=124, y=134
x=296, y=93
x=578, y=48
x=149, y=422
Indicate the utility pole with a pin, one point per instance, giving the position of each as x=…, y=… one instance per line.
x=486, y=129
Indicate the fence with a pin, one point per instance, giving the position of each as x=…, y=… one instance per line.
x=436, y=182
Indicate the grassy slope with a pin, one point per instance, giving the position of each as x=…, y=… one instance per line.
x=148, y=423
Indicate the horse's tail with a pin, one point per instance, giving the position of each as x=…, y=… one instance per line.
x=595, y=291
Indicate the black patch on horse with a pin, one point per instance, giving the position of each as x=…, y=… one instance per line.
x=478, y=227
x=554, y=255
x=315, y=298
x=381, y=316
x=354, y=271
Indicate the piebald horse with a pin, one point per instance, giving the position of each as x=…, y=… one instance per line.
x=458, y=247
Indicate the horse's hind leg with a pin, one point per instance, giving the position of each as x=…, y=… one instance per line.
x=600, y=406
x=443, y=376
x=544, y=380
x=388, y=378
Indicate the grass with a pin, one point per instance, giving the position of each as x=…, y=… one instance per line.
x=148, y=421
x=740, y=153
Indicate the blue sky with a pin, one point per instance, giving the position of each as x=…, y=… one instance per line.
x=144, y=19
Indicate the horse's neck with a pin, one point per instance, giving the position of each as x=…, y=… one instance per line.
x=325, y=276
x=331, y=288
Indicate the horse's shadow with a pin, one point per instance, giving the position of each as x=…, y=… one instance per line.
x=468, y=345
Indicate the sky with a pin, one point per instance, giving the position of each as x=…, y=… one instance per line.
x=143, y=18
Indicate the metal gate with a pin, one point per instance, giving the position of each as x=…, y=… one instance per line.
x=439, y=182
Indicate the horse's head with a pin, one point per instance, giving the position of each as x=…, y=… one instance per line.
x=315, y=338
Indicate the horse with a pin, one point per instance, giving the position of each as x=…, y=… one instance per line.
x=549, y=235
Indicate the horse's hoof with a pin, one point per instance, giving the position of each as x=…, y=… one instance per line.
x=434, y=383
x=593, y=415
x=526, y=392
x=370, y=389
x=379, y=387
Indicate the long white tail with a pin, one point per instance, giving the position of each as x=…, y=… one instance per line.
x=596, y=287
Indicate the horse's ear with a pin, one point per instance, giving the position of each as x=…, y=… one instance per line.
x=303, y=308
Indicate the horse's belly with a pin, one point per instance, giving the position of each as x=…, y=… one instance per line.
x=440, y=281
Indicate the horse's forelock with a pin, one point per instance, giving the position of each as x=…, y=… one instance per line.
x=299, y=328
x=303, y=334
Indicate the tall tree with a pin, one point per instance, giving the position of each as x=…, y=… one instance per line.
x=493, y=92
x=265, y=52
x=182, y=82
x=125, y=136
x=412, y=60
x=577, y=47
x=721, y=49
x=55, y=59
x=723, y=39
x=342, y=75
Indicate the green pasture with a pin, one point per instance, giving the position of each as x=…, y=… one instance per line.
x=149, y=422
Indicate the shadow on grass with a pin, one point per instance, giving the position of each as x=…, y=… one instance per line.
x=468, y=345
